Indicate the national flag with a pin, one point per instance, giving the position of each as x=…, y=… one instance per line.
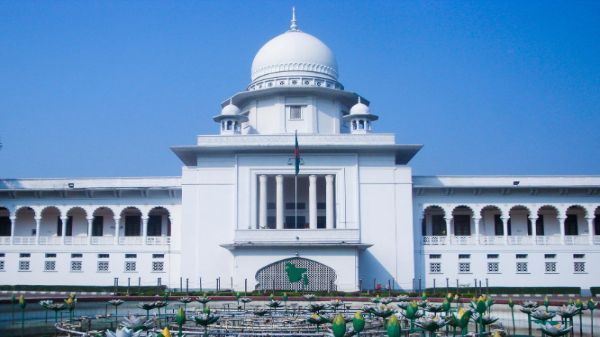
x=296, y=155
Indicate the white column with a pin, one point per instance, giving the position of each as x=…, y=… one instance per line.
x=38, y=221
x=144, y=229
x=590, y=222
x=90, y=221
x=448, y=229
x=13, y=221
x=329, y=206
x=312, y=201
x=561, y=224
x=476, y=222
x=505, y=228
x=262, y=203
x=533, y=230
x=117, y=220
x=279, y=206
x=64, y=227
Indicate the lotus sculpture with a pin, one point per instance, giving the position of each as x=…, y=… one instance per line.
x=431, y=324
x=317, y=320
x=555, y=330
x=123, y=332
x=137, y=323
x=205, y=319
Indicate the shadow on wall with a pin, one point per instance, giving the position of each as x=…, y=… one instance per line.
x=374, y=275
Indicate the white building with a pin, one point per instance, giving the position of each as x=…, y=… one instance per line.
x=354, y=217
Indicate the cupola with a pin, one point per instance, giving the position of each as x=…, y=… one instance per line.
x=230, y=119
x=360, y=118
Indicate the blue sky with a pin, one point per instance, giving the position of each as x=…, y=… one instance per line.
x=103, y=88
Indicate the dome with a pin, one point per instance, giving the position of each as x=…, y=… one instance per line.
x=294, y=53
x=359, y=109
x=230, y=110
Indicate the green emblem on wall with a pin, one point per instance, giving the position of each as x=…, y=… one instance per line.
x=296, y=274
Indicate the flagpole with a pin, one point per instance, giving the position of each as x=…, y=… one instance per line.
x=296, y=201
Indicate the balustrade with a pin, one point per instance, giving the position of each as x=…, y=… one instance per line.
x=576, y=240
x=76, y=240
x=131, y=240
x=516, y=240
x=158, y=240
x=103, y=240
x=50, y=240
x=24, y=240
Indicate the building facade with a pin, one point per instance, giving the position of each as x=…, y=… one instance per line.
x=353, y=217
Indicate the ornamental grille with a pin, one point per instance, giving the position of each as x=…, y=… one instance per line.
x=296, y=274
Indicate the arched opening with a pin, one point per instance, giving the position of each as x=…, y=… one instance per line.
x=5, y=223
x=596, y=225
x=462, y=219
x=25, y=224
x=103, y=220
x=518, y=223
x=131, y=219
x=354, y=124
x=50, y=225
x=433, y=225
x=491, y=222
x=159, y=222
x=575, y=223
x=361, y=124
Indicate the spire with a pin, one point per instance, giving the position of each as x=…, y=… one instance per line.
x=359, y=99
x=293, y=25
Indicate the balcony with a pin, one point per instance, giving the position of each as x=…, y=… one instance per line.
x=103, y=240
x=510, y=240
x=24, y=240
x=131, y=240
x=158, y=240
x=51, y=240
x=297, y=236
x=84, y=240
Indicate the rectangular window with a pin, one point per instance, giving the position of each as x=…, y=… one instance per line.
x=435, y=256
x=2, y=255
x=550, y=267
x=4, y=226
x=521, y=256
x=132, y=225
x=289, y=222
x=103, y=256
x=435, y=267
x=130, y=256
x=578, y=256
x=522, y=267
x=295, y=112
x=271, y=222
x=158, y=256
x=76, y=255
x=49, y=265
x=50, y=255
x=155, y=225
x=25, y=255
x=579, y=267
x=549, y=256
x=571, y=225
x=158, y=266
x=321, y=205
x=270, y=205
x=290, y=205
x=1, y=265
x=76, y=266
x=130, y=266
x=98, y=225
x=103, y=266
x=321, y=221
x=23, y=265
x=492, y=256
x=462, y=225
x=464, y=256
x=493, y=267
x=464, y=267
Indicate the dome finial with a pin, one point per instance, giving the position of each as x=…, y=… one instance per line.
x=359, y=99
x=293, y=25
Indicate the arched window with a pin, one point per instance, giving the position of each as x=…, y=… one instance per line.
x=361, y=124
x=354, y=124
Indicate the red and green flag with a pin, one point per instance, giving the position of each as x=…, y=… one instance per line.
x=296, y=154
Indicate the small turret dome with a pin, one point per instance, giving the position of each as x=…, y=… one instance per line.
x=359, y=108
x=230, y=110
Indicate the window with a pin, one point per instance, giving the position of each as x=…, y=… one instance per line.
x=498, y=225
x=321, y=221
x=23, y=265
x=295, y=112
x=321, y=205
x=132, y=225
x=550, y=267
x=289, y=222
x=25, y=255
x=578, y=256
x=1, y=265
x=438, y=225
x=571, y=225
x=493, y=267
x=4, y=226
x=50, y=255
x=464, y=256
x=158, y=266
x=103, y=256
x=521, y=267
x=155, y=225
x=435, y=256
x=539, y=225
x=98, y=226
x=76, y=255
x=158, y=256
x=76, y=266
x=69, y=229
x=58, y=226
x=290, y=205
x=270, y=205
x=435, y=267
x=549, y=256
x=49, y=265
x=521, y=256
x=271, y=222
x=2, y=254
x=579, y=267
x=492, y=256
x=462, y=225
x=130, y=266
x=103, y=266
x=464, y=267
x=130, y=256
